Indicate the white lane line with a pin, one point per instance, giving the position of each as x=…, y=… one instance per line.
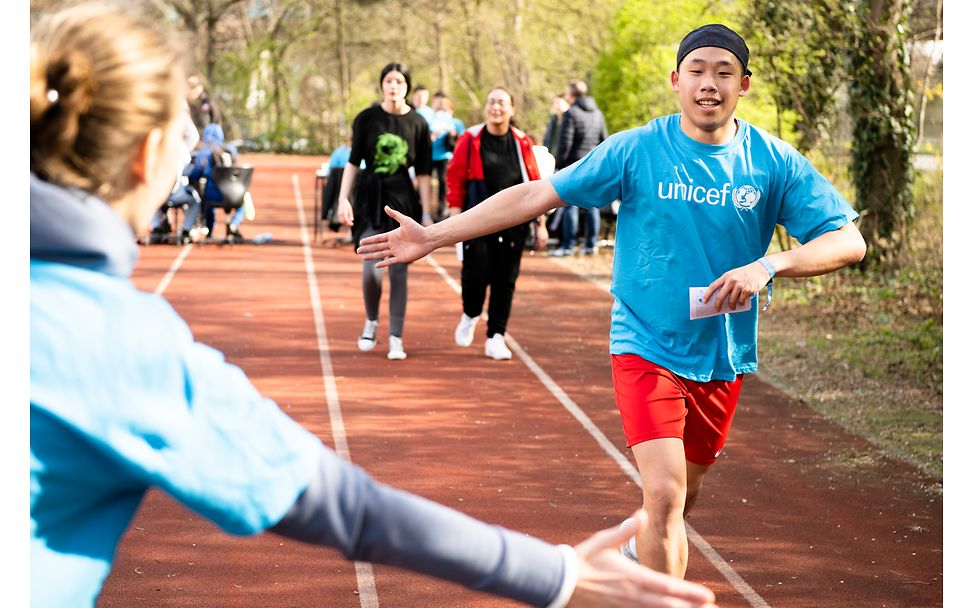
x=749, y=594
x=368, y=596
x=167, y=279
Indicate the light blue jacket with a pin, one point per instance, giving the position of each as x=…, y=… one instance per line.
x=123, y=399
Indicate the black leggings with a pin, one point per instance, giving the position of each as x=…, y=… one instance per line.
x=494, y=261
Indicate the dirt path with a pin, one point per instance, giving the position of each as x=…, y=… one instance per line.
x=781, y=510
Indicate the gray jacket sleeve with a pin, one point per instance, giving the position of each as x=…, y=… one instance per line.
x=343, y=507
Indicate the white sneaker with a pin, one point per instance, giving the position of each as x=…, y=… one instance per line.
x=396, y=353
x=628, y=548
x=496, y=349
x=366, y=341
x=465, y=328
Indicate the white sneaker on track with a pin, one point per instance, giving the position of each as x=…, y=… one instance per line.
x=366, y=341
x=628, y=548
x=396, y=353
x=496, y=349
x=465, y=328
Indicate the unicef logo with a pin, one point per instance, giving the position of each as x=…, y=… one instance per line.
x=746, y=197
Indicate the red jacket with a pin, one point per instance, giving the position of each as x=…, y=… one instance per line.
x=460, y=172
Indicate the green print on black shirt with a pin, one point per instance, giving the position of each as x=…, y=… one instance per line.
x=390, y=153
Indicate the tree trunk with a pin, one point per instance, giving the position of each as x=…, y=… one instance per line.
x=928, y=73
x=344, y=71
x=441, y=69
x=882, y=130
x=471, y=11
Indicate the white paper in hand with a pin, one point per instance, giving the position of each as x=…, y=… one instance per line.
x=699, y=310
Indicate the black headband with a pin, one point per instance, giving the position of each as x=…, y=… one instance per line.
x=716, y=35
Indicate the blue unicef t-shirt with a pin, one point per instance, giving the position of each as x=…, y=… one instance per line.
x=689, y=213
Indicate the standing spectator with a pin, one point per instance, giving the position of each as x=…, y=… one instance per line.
x=445, y=130
x=391, y=137
x=700, y=195
x=490, y=157
x=552, y=135
x=202, y=108
x=421, y=99
x=126, y=400
x=553, y=131
x=329, y=194
x=582, y=128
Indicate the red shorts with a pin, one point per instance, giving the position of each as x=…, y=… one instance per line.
x=656, y=403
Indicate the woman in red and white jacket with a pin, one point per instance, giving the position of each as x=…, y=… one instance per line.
x=488, y=158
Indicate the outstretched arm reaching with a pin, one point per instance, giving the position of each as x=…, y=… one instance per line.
x=507, y=208
x=345, y=508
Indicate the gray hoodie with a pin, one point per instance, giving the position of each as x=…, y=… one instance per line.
x=76, y=228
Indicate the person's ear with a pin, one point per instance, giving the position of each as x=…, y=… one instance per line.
x=745, y=85
x=147, y=156
x=675, y=81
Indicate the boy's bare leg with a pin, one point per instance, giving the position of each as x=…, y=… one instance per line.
x=666, y=476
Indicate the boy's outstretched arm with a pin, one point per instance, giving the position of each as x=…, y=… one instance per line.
x=510, y=207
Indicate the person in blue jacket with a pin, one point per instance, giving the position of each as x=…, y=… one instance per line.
x=700, y=195
x=119, y=405
x=215, y=151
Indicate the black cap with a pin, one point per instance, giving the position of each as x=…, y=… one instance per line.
x=716, y=35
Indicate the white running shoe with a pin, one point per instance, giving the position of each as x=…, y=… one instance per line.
x=628, y=548
x=465, y=328
x=496, y=349
x=396, y=353
x=366, y=341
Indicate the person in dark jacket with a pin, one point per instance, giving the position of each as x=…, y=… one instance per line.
x=582, y=128
x=123, y=399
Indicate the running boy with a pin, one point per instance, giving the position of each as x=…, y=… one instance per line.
x=701, y=193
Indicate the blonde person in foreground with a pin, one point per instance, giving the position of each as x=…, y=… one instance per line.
x=701, y=192
x=127, y=400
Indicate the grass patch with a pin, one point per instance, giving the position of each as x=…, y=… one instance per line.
x=866, y=349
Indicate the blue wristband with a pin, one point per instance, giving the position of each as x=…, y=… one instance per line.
x=767, y=266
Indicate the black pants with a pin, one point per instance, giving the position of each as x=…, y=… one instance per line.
x=439, y=166
x=493, y=261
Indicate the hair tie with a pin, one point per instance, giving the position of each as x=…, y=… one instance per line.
x=52, y=95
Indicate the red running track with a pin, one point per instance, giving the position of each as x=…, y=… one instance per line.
x=783, y=521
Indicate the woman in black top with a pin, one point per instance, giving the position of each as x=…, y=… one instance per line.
x=488, y=158
x=390, y=137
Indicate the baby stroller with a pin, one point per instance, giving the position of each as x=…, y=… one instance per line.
x=224, y=184
x=232, y=182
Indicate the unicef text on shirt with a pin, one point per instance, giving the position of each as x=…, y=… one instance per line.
x=744, y=197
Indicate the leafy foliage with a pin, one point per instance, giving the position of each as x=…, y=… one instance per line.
x=801, y=46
